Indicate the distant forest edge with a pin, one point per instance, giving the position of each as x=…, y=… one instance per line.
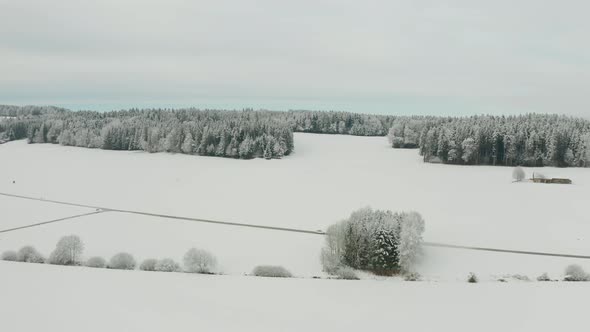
x=523, y=140
x=233, y=134
x=527, y=140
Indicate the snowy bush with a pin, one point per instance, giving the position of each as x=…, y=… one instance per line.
x=346, y=273
x=148, y=265
x=543, y=277
x=472, y=278
x=518, y=174
x=29, y=254
x=199, y=261
x=382, y=242
x=122, y=261
x=9, y=255
x=67, y=251
x=412, y=276
x=167, y=265
x=520, y=277
x=97, y=262
x=576, y=273
x=273, y=271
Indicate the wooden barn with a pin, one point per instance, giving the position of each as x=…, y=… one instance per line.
x=551, y=181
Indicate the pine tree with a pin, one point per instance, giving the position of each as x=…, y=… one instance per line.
x=385, y=258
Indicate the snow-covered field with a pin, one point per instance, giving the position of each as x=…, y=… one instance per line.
x=326, y=179
x=51, y=298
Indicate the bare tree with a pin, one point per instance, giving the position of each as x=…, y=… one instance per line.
x=68, y=251
x=518, y=174
x=199, y=261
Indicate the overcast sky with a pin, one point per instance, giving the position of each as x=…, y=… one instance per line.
x=398, y=57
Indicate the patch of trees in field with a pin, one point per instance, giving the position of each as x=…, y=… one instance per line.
x=234, y=134
x=381, y=242
x=527, y=140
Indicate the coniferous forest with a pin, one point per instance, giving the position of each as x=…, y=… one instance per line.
x=234, y=134
x=524, y=140
x=527, y=140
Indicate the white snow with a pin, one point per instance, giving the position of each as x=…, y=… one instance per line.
x=326, y=179
x=51, y=298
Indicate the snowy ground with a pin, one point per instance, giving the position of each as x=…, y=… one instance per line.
x=37, y=297
x=327, y=178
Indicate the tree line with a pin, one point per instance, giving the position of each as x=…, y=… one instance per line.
x=523, y=140
x=234, y=134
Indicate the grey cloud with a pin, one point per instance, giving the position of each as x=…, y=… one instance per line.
x=487, y=56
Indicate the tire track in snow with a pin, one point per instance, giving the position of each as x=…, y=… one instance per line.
x=49, y=222
x=284, y=229
x=509, y=251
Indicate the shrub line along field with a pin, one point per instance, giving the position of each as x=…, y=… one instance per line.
x=285, y=229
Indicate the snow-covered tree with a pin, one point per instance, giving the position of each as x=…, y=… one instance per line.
x=575, y=272
x=585, y=150
x=272, y=271
x=385, y=256
x=373, y=240
x=29, y=254
x=122, y=261
x=148, y=264
x=410, y=239
x=469, y=150
x=68, y=251
x=9, y=255
x=96, y=262
x=518, y=174
x=199, y=261
x=167, y=265
x=188, y=144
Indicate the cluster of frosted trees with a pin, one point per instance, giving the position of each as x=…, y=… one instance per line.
x=381, y=242
x=69, y=250
x=233, y=134
x=527, y=140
